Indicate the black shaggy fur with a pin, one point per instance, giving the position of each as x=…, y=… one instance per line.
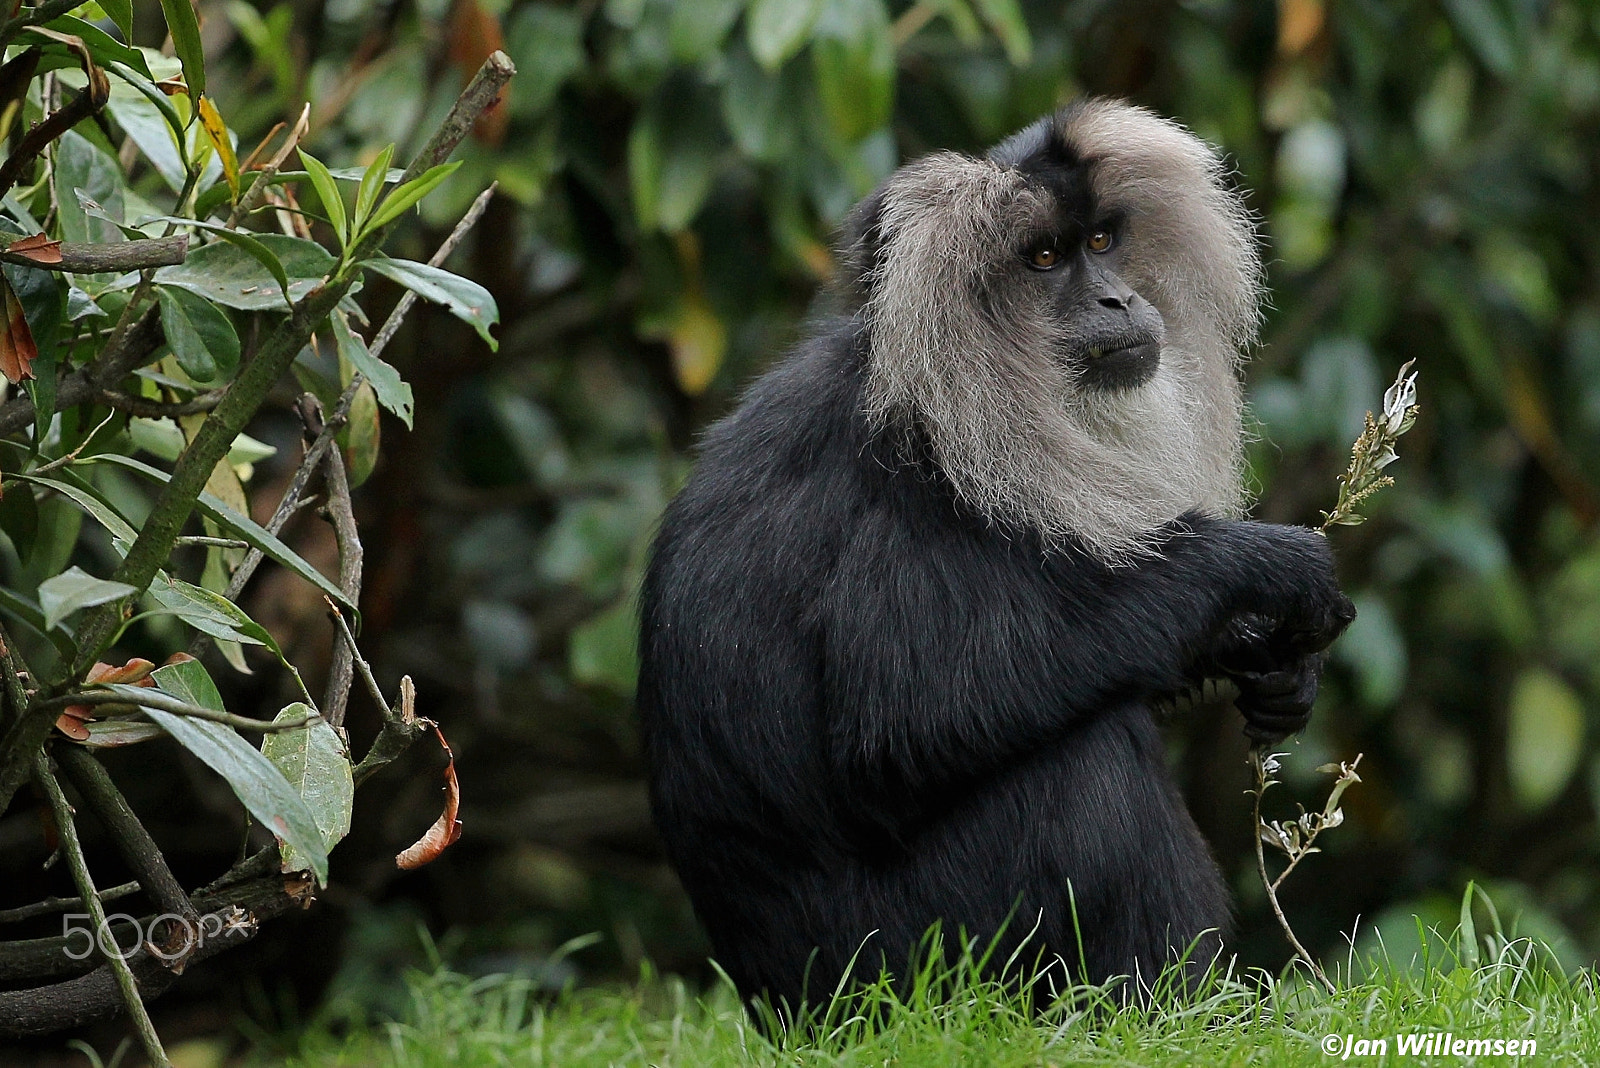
x=867, y=709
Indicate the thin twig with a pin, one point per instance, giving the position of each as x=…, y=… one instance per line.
x=366, y=669
x=154, y=409
x=88, y=101
x=340, y=415
x=341, y=514
x=1257, y=762
x=149, y=697
x=70, y=846
x=134, y=844
x=258, y=190
x=105, y=258
x=391, y=325
x=51, y=905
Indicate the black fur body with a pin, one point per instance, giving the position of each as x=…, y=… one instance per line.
x=868, y=708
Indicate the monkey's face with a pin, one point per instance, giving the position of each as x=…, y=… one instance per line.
x=1110, y=336
x=1063, y=319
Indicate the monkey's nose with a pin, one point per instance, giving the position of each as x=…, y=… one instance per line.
x=1113, y=301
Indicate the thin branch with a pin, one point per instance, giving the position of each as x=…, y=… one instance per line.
x=219, y=543
x=258, y=190
x=1258, y=763
x=51, y=905
x=341, y=414
x=106, y=258
x=89, y=100
x=148, y=697
x=128, y=349
x=391, y=325
x=70, y=846
x=231, y=918
x=134, y=844
x=16, y=695
x=350, y=640
x=342, y=516
x=154, y=409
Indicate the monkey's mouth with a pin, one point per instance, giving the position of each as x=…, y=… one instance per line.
x=1118, y=363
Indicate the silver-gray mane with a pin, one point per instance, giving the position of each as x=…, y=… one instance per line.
x=1018, y=441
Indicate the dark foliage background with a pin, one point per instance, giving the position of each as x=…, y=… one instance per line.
x=1426, y=178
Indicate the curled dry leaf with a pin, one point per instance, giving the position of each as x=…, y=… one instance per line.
x=135, y=672
x=17, y=350
x=447, y=828
x=39, y=248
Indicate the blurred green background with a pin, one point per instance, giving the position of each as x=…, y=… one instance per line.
x=670, y=178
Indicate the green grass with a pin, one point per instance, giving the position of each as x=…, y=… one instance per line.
x=1507, y=989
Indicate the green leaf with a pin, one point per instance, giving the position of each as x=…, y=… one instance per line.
x=776, y=29
x=153, y=124
x=74, y=589
x=317, y=766
x=546, y=44
x=185, y=30
x=852, y=56
x=255, y=780
x=119, y=12
x=103, y=48
x=672, y=155
x=210, y=613
x=29, y=614
x=604, y=650
x=1544, y=739
x=239, y=277
x=81, y=168
x=697, y=29
x=372, y=182
x=757, y=110
x=1005, y=19
x=79, y=492
x=201, y=336
x=255, y=247
x=466, y=299
x=243, y=528
x=405, y=196
x=391, y=390
x=328, y=193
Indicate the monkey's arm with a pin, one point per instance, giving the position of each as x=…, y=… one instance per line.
x=947, y=659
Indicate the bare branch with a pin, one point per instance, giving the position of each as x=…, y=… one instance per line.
x=67, y=829
x=105, y=258
x=154, y=409
x=61, y=904
x=149, y=697
x=134, y=844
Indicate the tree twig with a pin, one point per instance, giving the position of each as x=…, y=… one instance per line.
x=340, y=415
x=70, y=846
x=154, y=409
x=149, y=697
x=105, y=258
x=127, y=350
x=61, y=904
x=341, y=514
x=134, y=844
x=89, y=100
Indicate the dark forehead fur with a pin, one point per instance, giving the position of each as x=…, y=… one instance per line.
x=1044, y=156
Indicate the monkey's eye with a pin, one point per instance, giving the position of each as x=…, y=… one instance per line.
x=1044, y=258
x=1100, y=241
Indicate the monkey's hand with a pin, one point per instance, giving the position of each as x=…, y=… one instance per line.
x=1278, y=703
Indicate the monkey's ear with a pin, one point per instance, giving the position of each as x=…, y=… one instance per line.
x=861, y=246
